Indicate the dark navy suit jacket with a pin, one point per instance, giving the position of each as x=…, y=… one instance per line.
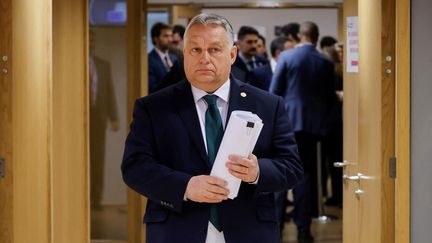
x=156, y=69
x=305, y=79
x=165, y=148
x=239, y=68
x=260, y=77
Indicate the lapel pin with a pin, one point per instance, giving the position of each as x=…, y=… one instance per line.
x=243, y=94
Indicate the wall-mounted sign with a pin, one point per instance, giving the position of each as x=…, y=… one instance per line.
x=352, y=49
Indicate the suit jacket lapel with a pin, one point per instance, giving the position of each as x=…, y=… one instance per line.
x=160, y=63
x=186, y=109
x=235, y=97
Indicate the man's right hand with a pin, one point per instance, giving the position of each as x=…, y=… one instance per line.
x=206, y=189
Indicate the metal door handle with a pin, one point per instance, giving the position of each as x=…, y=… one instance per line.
x=342, y=164
x=353, y=178
x=358, y=192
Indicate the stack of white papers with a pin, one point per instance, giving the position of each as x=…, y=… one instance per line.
x=240, y=137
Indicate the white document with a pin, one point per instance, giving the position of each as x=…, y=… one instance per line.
x=240, y=137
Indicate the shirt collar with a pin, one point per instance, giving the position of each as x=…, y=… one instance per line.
x=161, y=54
x=222, y=92
x=244, y=59
x=273, y=64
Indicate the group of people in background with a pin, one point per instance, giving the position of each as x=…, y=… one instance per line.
x=307, y=78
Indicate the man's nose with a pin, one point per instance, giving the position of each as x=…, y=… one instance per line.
x=205, y=57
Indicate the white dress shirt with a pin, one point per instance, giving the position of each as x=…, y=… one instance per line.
x=273, y=64
x=213, y=235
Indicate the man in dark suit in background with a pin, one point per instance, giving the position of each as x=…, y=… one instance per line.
x=247, y=58
x=304, y=78
x=174, y=138
x=160, y=59
x=261, y=77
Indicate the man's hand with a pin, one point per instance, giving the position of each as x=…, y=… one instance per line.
x=115, y=126
x=208, y=189
x=246, y=169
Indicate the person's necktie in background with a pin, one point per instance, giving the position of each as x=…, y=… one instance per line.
x=214, y=133
x=251, y=65
x=167, y=63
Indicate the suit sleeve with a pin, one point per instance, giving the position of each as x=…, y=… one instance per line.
x=152, y=80
x=142, y=172
x=283, y=170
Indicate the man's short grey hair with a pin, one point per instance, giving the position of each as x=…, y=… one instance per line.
x=208, y=19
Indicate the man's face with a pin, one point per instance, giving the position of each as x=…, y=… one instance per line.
x=164, y=41
x=177, y=41
x=248, y=46
x=261, y=49
x=208, y=56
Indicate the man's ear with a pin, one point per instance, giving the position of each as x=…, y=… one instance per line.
x=233, y=54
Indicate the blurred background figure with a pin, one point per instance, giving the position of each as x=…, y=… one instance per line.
x=291, y=31
x=176, y=72
x=247, y=58
x=261, y=76
x=177, y=40
x=304, y=78
x=160, y=59
x=333, y=141
x=261, y=47
x=327, y=42
x=103, y=110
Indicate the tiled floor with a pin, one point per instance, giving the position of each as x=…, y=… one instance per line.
x=323, y=231
x=109, y=225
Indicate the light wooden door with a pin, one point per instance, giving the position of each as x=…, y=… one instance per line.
x=369, y=125
x=6, y=189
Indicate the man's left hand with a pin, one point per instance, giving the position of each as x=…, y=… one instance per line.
x=246, y=169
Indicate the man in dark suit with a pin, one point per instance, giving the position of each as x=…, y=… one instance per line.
x=304, y=78
x=261, y=77
x=174, y=139
x=160, y=59
x=247, y=58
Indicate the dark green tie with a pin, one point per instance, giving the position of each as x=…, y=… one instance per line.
x=214, y=134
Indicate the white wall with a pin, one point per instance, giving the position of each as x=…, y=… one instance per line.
x=265, y=20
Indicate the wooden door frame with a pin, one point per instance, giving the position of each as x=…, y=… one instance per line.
x=50, y=120
x=30, y=143
x=389, y=131
x=403, y=126
x=70, y=123
x=6, y=125
x=137, y=87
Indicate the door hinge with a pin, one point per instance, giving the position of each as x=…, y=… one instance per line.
x=392, y=167
x=2, y=167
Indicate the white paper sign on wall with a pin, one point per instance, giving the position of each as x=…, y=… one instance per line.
x=352, y=49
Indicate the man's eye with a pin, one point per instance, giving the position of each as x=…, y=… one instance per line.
x=215, y=50
x=195, y=50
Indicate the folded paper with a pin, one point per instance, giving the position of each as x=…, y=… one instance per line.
x=240, y=137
